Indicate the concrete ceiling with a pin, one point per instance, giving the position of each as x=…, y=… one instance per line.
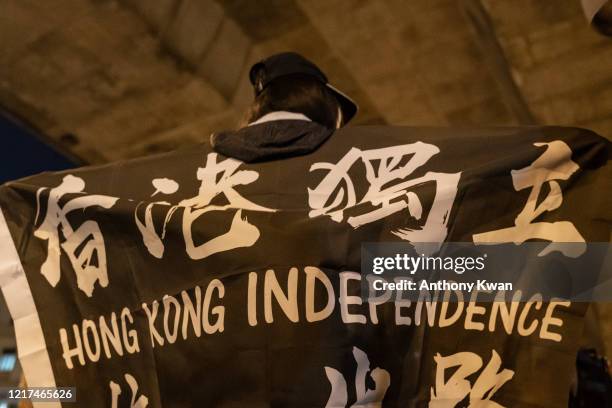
x=118, y=79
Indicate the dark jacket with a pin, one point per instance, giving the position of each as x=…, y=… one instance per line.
x=271, y=140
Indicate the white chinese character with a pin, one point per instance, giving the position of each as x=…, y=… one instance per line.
x=387, y=171
x=451, y=390
x=366, y=398
x=152, y=240
x=554, y=164
x=217, y=179
x=142, y=401
x=84, y=245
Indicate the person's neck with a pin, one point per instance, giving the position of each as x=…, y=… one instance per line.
x=280, y=115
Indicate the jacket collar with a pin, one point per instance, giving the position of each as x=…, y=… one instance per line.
x=279, y=135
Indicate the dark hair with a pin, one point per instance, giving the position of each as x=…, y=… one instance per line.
x=300, y=94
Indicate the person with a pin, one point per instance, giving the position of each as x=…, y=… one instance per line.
x=295, y=111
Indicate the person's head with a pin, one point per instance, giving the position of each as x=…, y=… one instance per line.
x=298, y=93
x=289, y=82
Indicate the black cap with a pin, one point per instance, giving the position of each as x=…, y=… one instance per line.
x=288, y=63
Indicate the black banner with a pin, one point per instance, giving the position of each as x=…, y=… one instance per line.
x=192, y=279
